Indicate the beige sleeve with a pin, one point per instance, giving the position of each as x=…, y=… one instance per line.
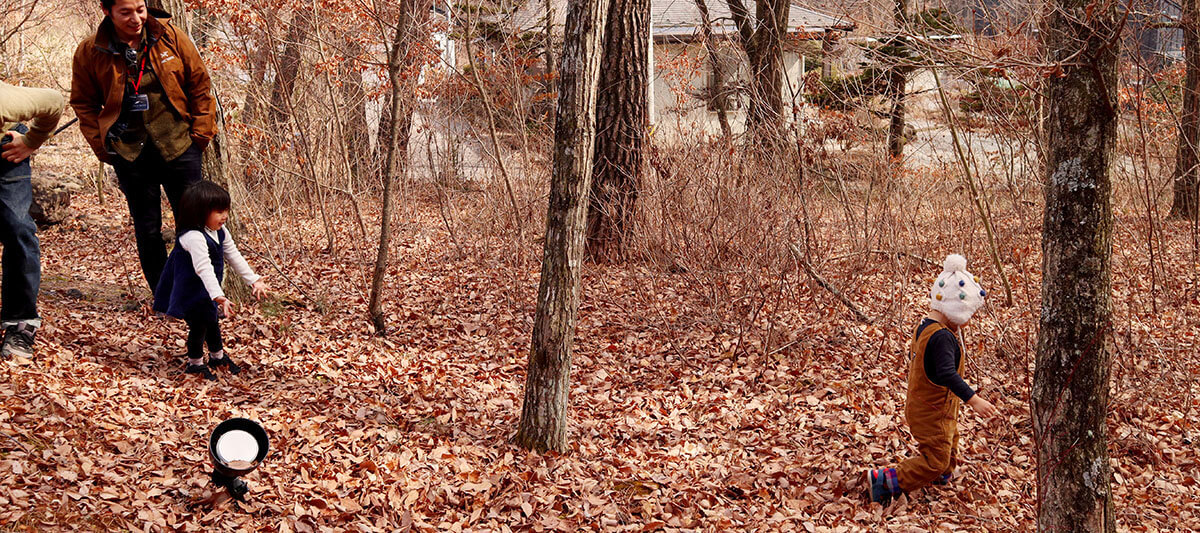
x=40, y=107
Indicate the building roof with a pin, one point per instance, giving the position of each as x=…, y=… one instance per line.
x=680, y=19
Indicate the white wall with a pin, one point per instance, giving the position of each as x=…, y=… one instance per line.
x=678, y=109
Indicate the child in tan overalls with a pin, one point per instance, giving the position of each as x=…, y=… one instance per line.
x=935, y=386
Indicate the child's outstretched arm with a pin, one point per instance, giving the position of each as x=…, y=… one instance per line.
x=241, y=267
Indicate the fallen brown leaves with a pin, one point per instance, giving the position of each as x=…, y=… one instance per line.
x=673, y=427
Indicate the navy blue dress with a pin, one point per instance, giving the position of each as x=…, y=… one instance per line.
x=181, y=293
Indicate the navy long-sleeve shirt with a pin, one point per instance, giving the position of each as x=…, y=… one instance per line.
x=942, y=355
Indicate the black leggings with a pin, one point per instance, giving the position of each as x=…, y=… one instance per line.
x=201, y=331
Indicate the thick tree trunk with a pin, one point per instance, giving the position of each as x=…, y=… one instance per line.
x=762, y=40
x=543, y=423
x=897, y=81
x=289, y=67
x=254, y=93
x=1070, y=388
x=622, y=111
x=765, y=109
x=354, y=95
x=213, y=164
x=1186, y=203
x=410, y=30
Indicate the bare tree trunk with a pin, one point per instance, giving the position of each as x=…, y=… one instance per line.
x=214, y=162
x=289, y=66
x=409, y=31
x=381, y=138
x=357, y=136
x=622, y=111
x=550, y=67
x=543, y=423
x=1070, y=388
x=826, y=55
x=254, y=93
x=717, y=93
x=897, y=80
x=1186, y=203
x=762, y=40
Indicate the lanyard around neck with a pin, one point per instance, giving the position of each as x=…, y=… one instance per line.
x=141, y=71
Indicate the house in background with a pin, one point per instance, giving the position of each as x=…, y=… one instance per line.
x=1158, y=45
x=1155, y=43
x=681, y=75
x=992, y=17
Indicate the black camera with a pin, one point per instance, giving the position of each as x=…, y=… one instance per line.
x=117, y=131
x=5, y=139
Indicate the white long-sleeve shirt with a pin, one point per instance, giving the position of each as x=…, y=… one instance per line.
x=195, y=245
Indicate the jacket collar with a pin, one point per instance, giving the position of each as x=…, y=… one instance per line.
x=106, y=35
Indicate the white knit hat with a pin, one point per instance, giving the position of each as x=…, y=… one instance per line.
x=956, y=292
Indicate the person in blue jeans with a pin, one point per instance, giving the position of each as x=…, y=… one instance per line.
x=21, y=263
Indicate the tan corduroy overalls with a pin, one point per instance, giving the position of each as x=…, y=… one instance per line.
x=932, y=413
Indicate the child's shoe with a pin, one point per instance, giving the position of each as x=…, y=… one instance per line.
x=882, y=485
x=200, y=369
x=224, y=361
x=944, y=479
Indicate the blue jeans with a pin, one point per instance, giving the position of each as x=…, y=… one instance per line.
x=21, y=263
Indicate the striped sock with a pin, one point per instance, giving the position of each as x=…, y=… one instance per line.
x=891, y=481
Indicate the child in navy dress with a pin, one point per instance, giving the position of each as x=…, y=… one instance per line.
x=190, y=287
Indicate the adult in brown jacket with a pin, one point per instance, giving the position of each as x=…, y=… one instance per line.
x=144, y=102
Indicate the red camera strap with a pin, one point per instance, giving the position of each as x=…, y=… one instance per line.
x=141, y=70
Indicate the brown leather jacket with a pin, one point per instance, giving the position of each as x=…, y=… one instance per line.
x=98, y=81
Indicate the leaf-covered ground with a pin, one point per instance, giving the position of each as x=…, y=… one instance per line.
x=679, y=421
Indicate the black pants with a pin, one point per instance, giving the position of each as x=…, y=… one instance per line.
x=200, y=332
x=141, y=181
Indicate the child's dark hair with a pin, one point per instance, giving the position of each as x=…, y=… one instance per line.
x=200, y=199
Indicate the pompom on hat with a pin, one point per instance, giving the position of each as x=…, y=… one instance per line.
x=956, y=292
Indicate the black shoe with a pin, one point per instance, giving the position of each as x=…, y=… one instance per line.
x=200, y=369
x=18, y=340
x=226, y=362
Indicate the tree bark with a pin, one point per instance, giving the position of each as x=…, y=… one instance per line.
x=1186, y=201
x=549, y=52
x=213, y=164
x=254, y=93
x=897, y=80
x=543, y=424
x=827, y=55
x=622, y=111
x=409, y=32
x=381, y=138
x=289, y=67
x=358, y=137
x=762, y=40
x=717, y=93
x=1070, y=388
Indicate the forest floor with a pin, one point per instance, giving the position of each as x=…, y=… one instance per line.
x=678, y=421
